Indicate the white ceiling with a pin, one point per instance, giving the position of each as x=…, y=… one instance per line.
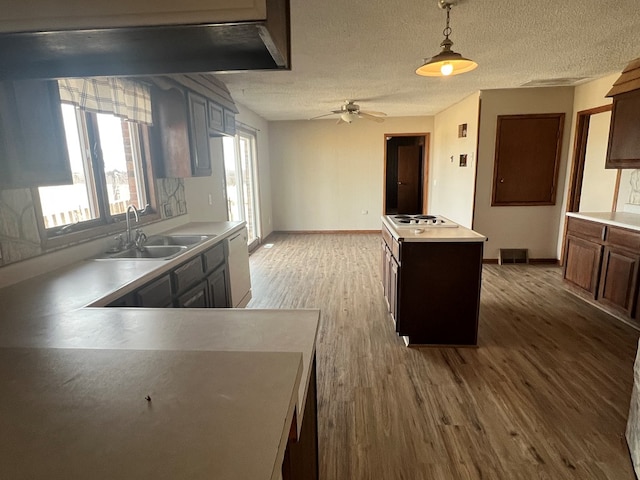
x=368, y=50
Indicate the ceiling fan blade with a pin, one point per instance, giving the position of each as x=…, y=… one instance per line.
x=376, y=114
x=371, y=117
x=340, y=120
x=320, y=116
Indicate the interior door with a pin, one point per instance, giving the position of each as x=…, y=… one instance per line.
x=409, y=179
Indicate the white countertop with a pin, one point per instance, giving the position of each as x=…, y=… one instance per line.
x=96, y=282
x=217, y=329
x=54, y=311
x=433, y=234
x=617, y=219
x=73, y=413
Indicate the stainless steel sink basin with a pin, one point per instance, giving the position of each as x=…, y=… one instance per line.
x=151, y=252
x=182, y=240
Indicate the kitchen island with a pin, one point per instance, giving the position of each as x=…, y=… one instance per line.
x=431, y=275
x=231, y=392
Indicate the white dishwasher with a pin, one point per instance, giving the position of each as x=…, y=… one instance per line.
x=239, y=276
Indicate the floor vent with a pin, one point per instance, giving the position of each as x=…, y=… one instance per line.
x=513, y=255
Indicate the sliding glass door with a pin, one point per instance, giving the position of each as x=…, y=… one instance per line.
x=240, y=165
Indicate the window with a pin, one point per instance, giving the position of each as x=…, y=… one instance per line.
x=240, y=166
x=108, y=171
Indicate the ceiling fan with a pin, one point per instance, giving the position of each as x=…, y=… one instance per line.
x=350, y=112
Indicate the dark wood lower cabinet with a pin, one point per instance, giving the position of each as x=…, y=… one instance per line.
x=301, y=457
x=602, y=263
x=619, y=280
x=217, y=284
x=582, y=264
x=433, y=290
x=194, y=298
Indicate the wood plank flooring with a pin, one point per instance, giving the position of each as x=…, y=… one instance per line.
x=545, y=396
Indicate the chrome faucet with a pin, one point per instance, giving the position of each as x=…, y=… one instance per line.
x=130, y=241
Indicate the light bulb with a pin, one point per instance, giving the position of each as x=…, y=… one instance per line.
x=446, y=68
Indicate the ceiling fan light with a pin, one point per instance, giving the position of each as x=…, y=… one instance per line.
x=348, y=117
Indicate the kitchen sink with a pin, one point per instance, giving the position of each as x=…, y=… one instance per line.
x=151, y=252
x=177, y=240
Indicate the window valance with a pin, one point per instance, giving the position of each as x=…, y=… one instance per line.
x=124, y=98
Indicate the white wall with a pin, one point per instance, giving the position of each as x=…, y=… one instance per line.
x=206, y=196
x=532, y=227
x=598, y=183
x=323, y=175
x=452, y=187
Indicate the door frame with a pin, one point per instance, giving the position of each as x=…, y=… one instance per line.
x=425, y=167
x=583, y=119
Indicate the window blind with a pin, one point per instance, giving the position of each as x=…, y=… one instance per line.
x=119, y=96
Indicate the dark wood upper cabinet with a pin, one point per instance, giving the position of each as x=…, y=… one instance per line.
x=33, y=150
x=199, y=135
x=624, y=135
x=527, y=159
x=171, y=133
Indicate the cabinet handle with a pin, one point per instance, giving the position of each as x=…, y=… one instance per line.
x=604, y=233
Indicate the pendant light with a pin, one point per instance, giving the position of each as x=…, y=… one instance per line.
x=447, y=62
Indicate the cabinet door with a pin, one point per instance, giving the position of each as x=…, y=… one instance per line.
x=33, y=150
x=171, y=134
x=624, y=142
x=218, y=288
x=199, y=135
x=187, y=274
x=394, y=289
x=384, y=270
x=194, y=298
x=216, y=118
x=156, y=294
x=619, y=277
x=229, y=122
x=582, y=264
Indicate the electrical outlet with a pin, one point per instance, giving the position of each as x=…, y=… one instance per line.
x=365, y=212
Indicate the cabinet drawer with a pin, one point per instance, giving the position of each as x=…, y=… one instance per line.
x=156, y=294
x=213, y=257
x=623, y=238
x=188, y=274
x=391, y=242
x=194, y=298
x=585, y=229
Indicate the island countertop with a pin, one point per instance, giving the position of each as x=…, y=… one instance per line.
x=433, y=234
x=106, y=414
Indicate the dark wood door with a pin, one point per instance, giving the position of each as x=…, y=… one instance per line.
x=194, y=298
x=582, y=264
x=619, y=279
x=409, y=179
x=528, y=151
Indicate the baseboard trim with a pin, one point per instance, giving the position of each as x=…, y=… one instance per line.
x=349, y=232
x=537, y=261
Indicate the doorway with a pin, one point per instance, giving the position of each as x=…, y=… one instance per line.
x=406, y=173
x=583, y=169
x=240, y=164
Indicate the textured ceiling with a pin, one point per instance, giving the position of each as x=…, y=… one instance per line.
x=368, y=50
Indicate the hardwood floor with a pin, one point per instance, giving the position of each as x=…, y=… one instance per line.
x=545, y=396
